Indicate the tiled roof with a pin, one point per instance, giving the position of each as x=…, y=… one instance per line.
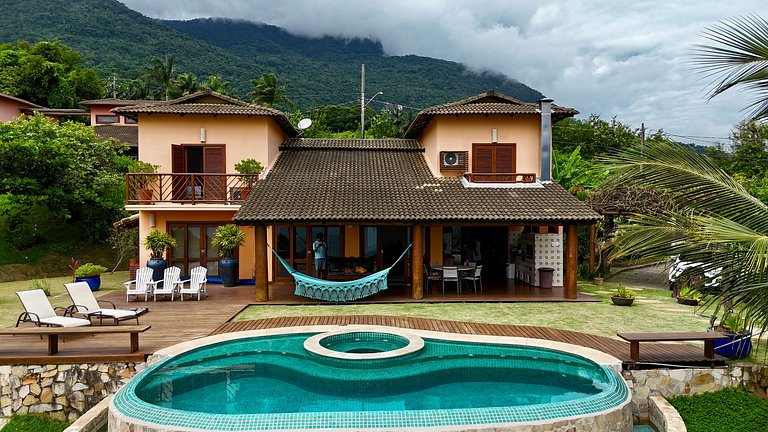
x=351, y=144
x=19, y=100
x=117, y=102
x=486, y=103
x=207, y=102
x=390, y=185
x=123, y=133
x=58, y=111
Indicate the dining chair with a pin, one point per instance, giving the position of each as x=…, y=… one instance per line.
x=430, y=276
x=475, y=278
x=451, y=274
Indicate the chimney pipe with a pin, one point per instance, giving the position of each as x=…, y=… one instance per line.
x=545, y=106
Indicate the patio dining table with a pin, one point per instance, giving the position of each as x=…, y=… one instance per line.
x=461, y=269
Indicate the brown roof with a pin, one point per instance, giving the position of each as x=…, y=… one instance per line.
x=207, y=102
x=123, y=133
x=350, y=144
x=486, y=103
x=19, y=100
x=58, y=111
x=117, y=102
x=327, y=181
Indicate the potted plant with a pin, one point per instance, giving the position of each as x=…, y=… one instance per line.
x=228, y=238
x=248, y=167
x=144, y=184
x=689, y=296
x=623, y=297
x=157, y=242
x=739, y=342
x=90, y=273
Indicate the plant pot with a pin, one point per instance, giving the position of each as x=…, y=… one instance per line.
x=145, y=196
x=737, y=346
x=598, y=281
x=622, y=301
x=688, y=301
x=94, y=282
x=158, y=267
x=244, y=193
x=229, y=270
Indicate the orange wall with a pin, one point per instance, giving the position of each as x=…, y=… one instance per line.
x=450, y=133
x=104, y=110
x=245, y=137
x=436, y=245
x=9, y=110
x=351, y=240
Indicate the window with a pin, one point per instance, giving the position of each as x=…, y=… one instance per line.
x=102, y=119
x=494, y=158
x=130, y=120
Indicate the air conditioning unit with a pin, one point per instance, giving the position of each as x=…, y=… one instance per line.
x=451, y=159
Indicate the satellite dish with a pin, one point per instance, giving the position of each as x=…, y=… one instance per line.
x=304, y=123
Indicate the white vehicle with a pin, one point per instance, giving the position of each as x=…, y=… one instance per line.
x=712, y=278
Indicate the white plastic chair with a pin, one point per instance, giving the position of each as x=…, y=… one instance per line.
x=197, y=283
x=39, y=311
x=170, y=281
x=85, y=303
x=475, y=278
x=142, y=285
x=451, y=274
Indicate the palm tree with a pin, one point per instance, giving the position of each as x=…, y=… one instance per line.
x=218, y=84
x=186, y=83
x=267, y=92
x=710, y=219
x=162, y=72
x=738, y=58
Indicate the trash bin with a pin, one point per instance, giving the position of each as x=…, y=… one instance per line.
x=545, y=277
x=510, y=270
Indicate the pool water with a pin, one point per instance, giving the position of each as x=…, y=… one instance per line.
x=275, y=375
x=363, y=342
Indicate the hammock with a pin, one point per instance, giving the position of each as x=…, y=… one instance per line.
x=339, y=291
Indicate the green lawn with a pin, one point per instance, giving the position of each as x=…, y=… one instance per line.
x=653, y=311
x=10, y=307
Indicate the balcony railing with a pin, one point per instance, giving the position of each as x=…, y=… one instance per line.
x=188, y=188
x=501, y=177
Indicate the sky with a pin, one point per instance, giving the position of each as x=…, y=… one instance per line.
x=628, y=59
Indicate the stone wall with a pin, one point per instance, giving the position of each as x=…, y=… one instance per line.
x=65, y=391
x=664, y=417
x=676, y=382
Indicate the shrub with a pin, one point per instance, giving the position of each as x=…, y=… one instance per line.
x=625, y=293
x=42, y=284
x=89, y=270
x=158, y=242
x=228, y=238
x=34, y=422
x=689, y=293
x=725, y=410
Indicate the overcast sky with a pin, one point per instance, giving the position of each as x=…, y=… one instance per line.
x=622, y=59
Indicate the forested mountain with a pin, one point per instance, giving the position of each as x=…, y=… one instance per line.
x=115, y=39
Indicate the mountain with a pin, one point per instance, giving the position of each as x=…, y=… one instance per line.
x=315, y=71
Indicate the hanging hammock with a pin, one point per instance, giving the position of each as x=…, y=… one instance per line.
x=339, y=291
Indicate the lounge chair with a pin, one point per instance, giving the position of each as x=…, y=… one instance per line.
x=85, y=303
x=142, y=285
x=197, y=282
x=170, y=282
x=39, y=311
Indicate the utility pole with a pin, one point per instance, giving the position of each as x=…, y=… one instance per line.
x=114, y=86
x=642, y=135
x=362, y=103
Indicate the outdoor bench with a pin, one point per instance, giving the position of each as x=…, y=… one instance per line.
x=53, y=333
x=634, y=340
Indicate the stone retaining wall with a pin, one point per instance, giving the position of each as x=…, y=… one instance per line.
x=676, y=382
x=65, y=391
x=664, y=417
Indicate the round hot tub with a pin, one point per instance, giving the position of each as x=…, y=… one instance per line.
x=363, y=345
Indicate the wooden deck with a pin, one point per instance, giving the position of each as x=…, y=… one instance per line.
x=175, y=322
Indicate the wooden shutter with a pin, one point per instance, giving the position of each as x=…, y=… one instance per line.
x=178, y=165
x=482, y=159
x=215, y=186
x=505, y=159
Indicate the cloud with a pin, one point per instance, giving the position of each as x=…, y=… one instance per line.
x=622, y=59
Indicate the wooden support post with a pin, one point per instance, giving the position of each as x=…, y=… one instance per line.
x=262, y=289
x=571, y=261
x=417, y=260
x=53, y=344
x=134, y=342
x=592, y=237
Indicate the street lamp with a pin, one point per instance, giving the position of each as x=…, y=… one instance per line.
x=364, y=104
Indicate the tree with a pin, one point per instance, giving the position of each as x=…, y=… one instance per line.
x=593, y=135
x=162, y=72
x=218, y=84
x=267, y=92
x=186, y=83
x=711, y=219
x=63, y=168
x=737, y=58
x=48, y=74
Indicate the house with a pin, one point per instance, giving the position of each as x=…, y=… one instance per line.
x=12, y=107
x=471, y=181
x=107, y=124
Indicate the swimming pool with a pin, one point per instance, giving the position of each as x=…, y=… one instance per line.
x=366, y=379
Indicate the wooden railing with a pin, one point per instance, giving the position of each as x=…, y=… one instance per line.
x=501, y=177
x=191, y=188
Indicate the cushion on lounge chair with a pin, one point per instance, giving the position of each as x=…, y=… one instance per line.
x=85, y=302
x=39, y=311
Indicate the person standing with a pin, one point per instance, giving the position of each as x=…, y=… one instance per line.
x=320, y=248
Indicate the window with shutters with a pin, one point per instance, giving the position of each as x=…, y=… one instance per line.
x=496, y=163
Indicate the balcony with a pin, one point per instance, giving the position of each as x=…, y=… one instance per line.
x=187, y=188
x=500, y=177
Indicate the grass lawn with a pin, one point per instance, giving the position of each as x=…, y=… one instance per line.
x=10, y=306
x=653, y=311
